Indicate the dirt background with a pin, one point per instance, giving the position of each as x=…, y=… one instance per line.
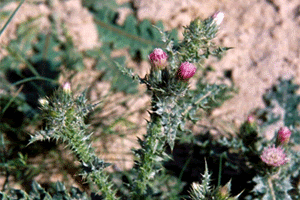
x=264, y=34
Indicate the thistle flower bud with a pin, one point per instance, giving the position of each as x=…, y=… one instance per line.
x=250, y=119
x=218, y=17
x=274, y=156
x=283, y=136
x=67, y=87
x=44, y=102
x=186, y=71
x=158, y=59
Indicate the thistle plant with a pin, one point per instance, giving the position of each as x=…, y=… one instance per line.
x=171, y=100
x=272, y=166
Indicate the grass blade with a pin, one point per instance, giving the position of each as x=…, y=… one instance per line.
x=11, y=17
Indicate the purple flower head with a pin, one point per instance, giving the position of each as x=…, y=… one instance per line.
x=274, y=156
x=158, y=59
x=283, y=136
x=218, y=17
x=186, y=71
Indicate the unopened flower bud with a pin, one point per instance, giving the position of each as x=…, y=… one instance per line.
x=44, y=102
x=158, y=59
x=250, y=119
x=186, y=71
x=274, y=156
x=218, y=17
x=283, y=136
x=67, y=87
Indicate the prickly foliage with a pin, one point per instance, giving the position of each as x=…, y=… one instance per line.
x=282, y=95
x=172, y=105
x=65, y=116
x=206, y=191
x=270, y=182
x=272, y=187
x=38, y=193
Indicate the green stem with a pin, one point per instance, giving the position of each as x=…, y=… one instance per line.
x=220, y=171
x=271, y=188
x=152, y=148
x=101, y=180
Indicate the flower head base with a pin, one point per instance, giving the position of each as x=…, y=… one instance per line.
x=283, y=136
x=218, y=18
x=186, y=71
x=158, y=59
x=274, y=156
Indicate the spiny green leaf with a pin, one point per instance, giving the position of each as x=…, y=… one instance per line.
x=138, y=37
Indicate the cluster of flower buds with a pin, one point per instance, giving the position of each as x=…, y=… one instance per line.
x=159, y=60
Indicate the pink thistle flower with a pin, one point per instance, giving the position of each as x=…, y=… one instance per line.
x=283, y=136
x=158, y=59
x=186, y=71
x=218, y=18
x=274, y=156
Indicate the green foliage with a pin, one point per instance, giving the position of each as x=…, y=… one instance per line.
x=197, y=44
x=65, y=122
x=38, y=193
x=111, y=71
x=283, y=95
x=172, y=105
x=96, y=5
x=270, y=182
x=11, y=166
x=163, y=187
x=141, y=38
x=205, y=191
x=272, y=187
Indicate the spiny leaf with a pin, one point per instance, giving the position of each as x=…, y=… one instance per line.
x=138, y=37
